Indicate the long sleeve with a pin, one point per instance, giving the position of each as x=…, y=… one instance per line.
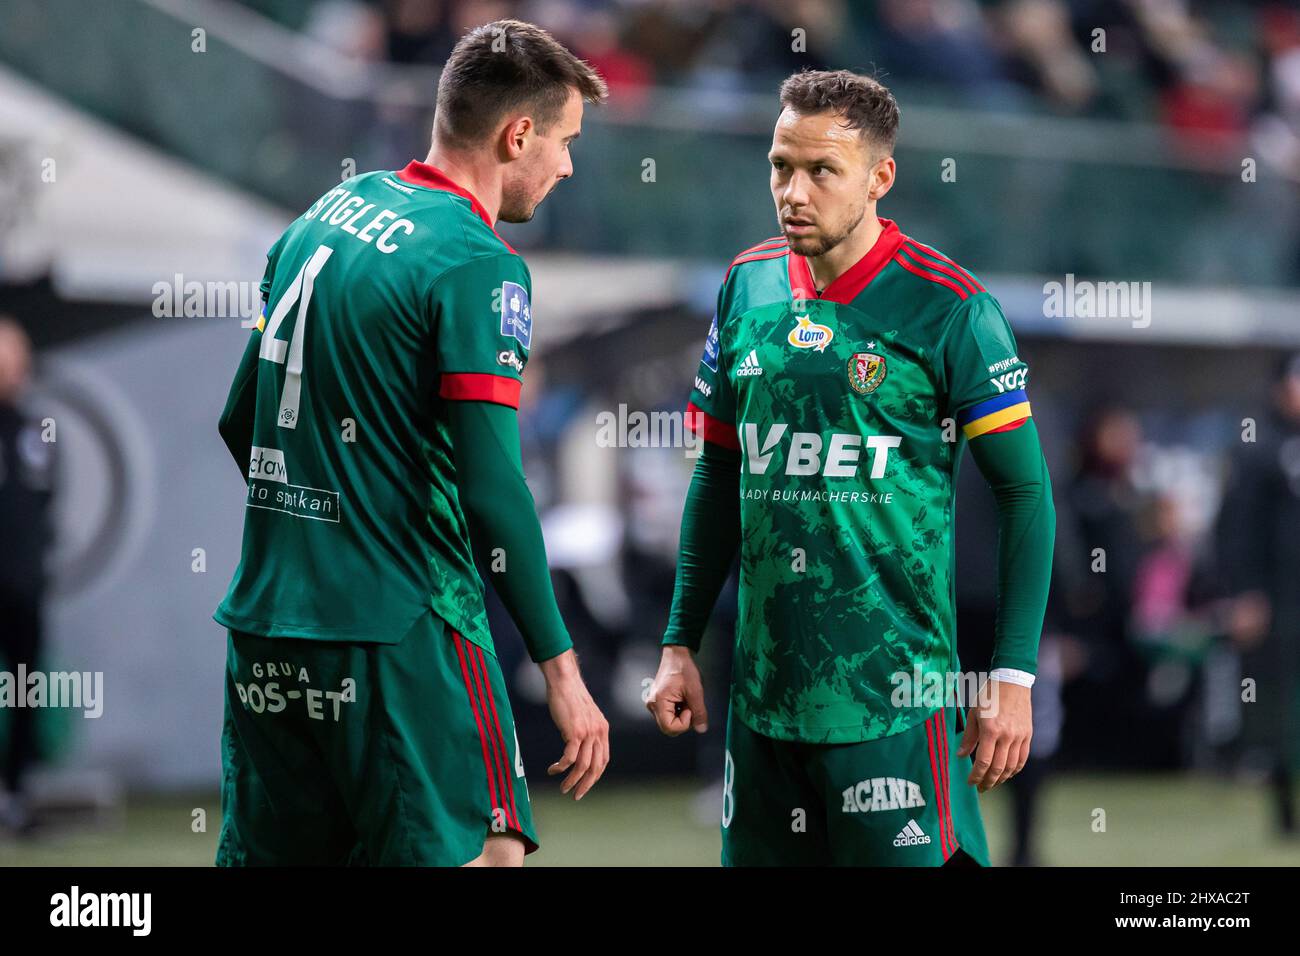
x=236, y=423
x=502, y=516
x=709, y=540
x=1012, y=463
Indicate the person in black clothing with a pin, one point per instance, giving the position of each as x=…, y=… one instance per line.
x=1100, y=511
x=25, y=471
x=1258, y=539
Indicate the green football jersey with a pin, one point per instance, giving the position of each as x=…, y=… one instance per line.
x=389, y=296
x=850, y=410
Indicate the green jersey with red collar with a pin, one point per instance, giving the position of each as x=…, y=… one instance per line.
x=850, y=410
x=389, y=296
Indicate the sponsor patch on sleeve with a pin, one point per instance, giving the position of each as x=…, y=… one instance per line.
x=710, y=356
x=516, y=313
x=509, y=358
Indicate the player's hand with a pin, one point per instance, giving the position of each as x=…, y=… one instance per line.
x=998, y=730
x=676, y=697
x=582, y=726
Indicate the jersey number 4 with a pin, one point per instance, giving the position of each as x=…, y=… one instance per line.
x=289, y=353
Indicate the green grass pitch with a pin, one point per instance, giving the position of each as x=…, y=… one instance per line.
x=1165, y=820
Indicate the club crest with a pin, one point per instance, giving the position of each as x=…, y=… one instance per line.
x=866, y=371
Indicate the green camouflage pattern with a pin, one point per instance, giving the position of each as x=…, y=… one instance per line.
x=848, y=466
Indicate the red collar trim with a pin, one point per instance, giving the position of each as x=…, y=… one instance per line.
x=431, y=177
x=849, y=285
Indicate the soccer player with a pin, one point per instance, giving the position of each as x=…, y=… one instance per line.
x=846, y=369
x=374, y=411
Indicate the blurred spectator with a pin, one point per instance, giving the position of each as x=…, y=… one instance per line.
x=25, y=478
x=467, y=14
x=1102, y=503
x=938, y=41
x=419, y=31
x=350, y=27
x=596, y=36
x=747, y=47
x=1275, y=136
x=1259, y=553
x=1043, y=52
x=1166, y=614
x=1174, y=625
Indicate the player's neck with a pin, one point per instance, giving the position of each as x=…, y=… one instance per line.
x=826, y=269
x=482, y=179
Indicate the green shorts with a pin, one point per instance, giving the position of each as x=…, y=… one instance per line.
x=901, y=800
x=367, y=754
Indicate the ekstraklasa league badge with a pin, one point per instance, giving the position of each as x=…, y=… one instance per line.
x=866, y=371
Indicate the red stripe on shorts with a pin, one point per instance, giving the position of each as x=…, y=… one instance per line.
x=941, y=726
x=938, y=787
x=496, y=726
x=473, y=703
x=497, y=760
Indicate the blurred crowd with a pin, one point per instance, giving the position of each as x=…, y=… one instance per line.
x=1212, y=73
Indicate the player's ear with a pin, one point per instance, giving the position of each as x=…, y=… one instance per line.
x=515, y=135
x=881, y=179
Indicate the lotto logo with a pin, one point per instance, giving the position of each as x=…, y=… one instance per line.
x=808, y=334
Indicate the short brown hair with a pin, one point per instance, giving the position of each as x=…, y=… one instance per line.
x=502, y=66
x=865, y=103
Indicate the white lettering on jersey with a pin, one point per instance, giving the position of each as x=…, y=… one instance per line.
x=804, y=456
x=341, y=209
x=759, y=456
x=1011, y=380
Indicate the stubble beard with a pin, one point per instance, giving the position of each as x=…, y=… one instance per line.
x=516, y=206
x=812, y=247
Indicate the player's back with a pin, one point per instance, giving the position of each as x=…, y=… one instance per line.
x=352, y=528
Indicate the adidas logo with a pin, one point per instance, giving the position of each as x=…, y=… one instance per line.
x=911, y=835
x=750, y=366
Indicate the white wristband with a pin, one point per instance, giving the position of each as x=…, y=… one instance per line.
x=1009, y=675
